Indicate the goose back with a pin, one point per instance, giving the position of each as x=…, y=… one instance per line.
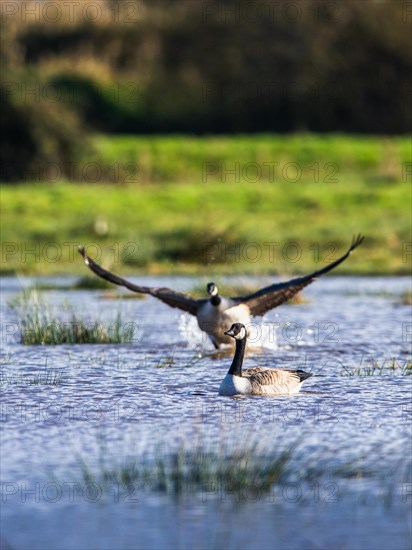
x=266, y=381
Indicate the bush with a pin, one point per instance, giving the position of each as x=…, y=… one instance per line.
x=36, y=134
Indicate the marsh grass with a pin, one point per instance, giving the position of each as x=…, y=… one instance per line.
x=246, y=468
x=245, y=471
x=108, y=295
x=40, y=326
x=6, y=359
x=47, y=377
x=50, y=377
x=196, y=470
x=166, y=362
x=122, y=363
x=353, y=469
x=83, y=283
x=91, y=283
x=375, y=368
x=172, y=361
x=403, y=298
x=406, y=298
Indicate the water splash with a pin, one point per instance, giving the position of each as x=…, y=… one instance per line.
x=190, y=331
x=262, y=334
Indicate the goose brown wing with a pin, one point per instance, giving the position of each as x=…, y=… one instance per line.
x=279, y=378
x=170, y=297
x=271, y=296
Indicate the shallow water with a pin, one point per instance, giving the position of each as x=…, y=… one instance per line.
x=161, y=390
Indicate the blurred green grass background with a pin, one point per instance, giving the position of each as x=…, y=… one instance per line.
x=200, y=204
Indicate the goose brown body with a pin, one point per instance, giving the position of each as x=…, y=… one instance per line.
x=265, y=381
x=258, y=380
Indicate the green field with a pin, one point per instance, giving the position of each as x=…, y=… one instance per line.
x=244, y=204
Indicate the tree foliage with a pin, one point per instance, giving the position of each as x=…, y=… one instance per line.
x=203, y=67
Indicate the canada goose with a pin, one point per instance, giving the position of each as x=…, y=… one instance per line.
x=217, y=314
x=260, y=380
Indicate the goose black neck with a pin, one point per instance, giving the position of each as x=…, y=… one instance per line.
x=236, y=366
x=215, y=300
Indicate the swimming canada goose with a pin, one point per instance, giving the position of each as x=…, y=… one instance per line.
x=216, y=314
x=260, y=380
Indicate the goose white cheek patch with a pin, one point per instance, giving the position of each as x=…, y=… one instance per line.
x=241, y=334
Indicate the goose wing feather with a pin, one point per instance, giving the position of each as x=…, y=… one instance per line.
x=170, y=297
x=283, y=380
x=271, y=296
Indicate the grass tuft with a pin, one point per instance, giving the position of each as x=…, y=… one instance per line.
x=171, y=361
x=91, y=283
x=50, y=377
x=40, y=326
x=376, y=368
x=243, y=468
x=198, y=470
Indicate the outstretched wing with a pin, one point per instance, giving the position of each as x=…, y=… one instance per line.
x=271, y=296
x=166, y=295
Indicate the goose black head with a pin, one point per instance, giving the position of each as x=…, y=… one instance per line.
x=212, y=289
x=237, y=331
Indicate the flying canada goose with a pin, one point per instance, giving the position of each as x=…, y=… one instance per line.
x=216, y=314
x=260, y=380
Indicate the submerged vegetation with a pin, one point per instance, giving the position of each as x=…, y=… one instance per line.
x=374, y=367
x=196, y=470
x=50, y=377
x=40, y=325
x=172, y=361
x=246, y=471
